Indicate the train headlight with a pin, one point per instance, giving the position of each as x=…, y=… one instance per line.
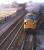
x=25, y=23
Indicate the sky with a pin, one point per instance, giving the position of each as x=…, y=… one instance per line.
x=19, y=1
x=29, y=0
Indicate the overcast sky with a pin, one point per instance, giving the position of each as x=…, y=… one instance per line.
x=19, y=1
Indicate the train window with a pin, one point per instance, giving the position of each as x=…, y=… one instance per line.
x=28, y=17
x=35, y=17
x=31, y=17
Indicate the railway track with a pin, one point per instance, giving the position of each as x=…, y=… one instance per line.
x=29, y=43
x=16, y=39
x=6, y=34
x=7, y=39
x=4, y=44
x=16, y=44
x=10, y=28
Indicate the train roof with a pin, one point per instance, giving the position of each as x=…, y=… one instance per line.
x=29, y=14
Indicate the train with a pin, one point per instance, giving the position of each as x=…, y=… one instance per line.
x=30, y=21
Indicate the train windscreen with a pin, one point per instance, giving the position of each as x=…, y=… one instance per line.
x=31, y=17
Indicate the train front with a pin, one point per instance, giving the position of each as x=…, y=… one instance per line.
x=30, y=22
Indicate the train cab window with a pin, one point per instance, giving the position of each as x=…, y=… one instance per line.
x=35, y=17
x=28, y=17
x=31, y=17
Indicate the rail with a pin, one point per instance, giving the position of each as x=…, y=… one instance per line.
x=7, y=41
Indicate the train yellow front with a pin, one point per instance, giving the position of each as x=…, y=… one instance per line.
x=30, y=21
